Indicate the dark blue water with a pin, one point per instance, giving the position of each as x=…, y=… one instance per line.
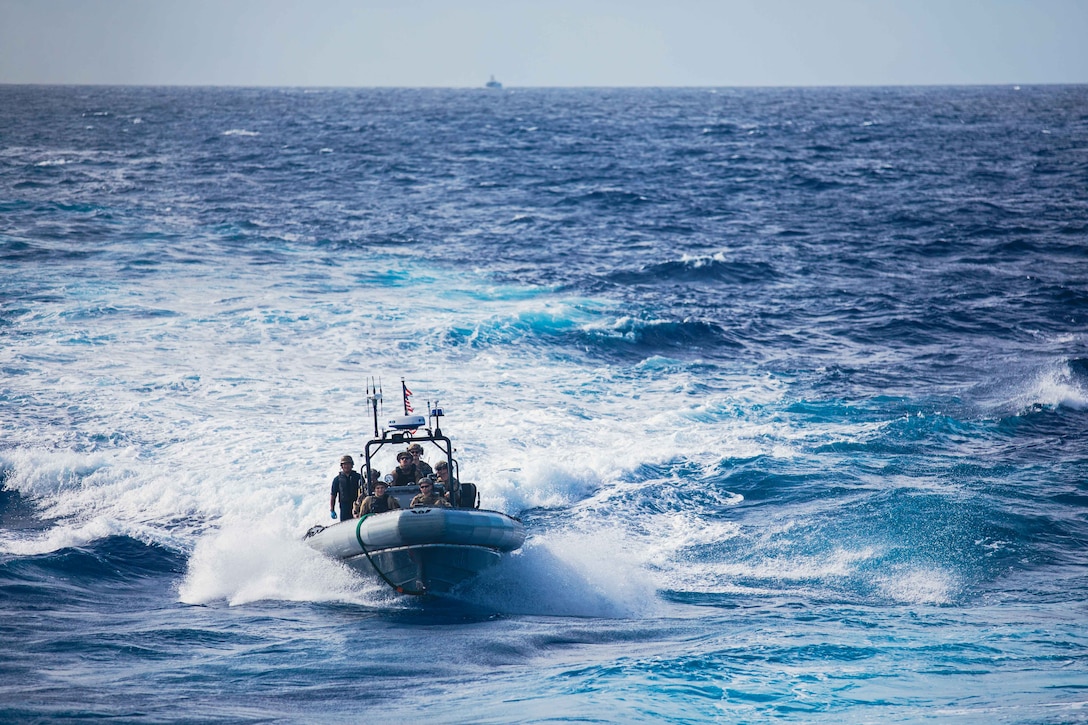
x=790, y=387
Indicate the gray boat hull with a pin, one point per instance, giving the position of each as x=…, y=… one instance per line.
x=424, y=550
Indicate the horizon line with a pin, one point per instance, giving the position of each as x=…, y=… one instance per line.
x=482, y=88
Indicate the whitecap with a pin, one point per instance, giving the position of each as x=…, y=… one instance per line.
x=1054, y=387
x=239, y=565
x=919, y=586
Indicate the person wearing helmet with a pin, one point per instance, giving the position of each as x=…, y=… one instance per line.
x=422, y=466
x=345, y=487
x=366, y=490
x=380, y=502
x=427, y=496
x=406, y=473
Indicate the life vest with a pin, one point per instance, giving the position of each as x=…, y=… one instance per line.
x=400, y=478
x=380, y=505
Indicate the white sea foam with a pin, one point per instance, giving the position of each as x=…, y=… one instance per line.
x=1051, y=386
x=587, y=573
x=233, y=407
x=919, y=585
x=674, y=532
x=1055, y=387
x=64, y=537
x=240, y=565
x=772, y=570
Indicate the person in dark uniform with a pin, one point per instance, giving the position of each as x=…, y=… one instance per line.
x=345, y=487
x=380, y=502
x=406, y=473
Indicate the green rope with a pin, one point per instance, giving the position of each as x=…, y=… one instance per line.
x=397, y=589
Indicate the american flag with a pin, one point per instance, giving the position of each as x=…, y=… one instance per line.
x=407, y=394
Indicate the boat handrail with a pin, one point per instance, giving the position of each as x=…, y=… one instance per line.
x=397, y=437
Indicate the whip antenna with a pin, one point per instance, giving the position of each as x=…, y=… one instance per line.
x=374, y=397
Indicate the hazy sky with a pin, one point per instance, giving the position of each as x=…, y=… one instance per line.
x=543, y=43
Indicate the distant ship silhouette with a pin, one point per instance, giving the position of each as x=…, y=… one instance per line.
x=493, y=83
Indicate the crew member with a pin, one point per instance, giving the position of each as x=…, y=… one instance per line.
x=344, y=487
x=406, y=473
x=427, y=496
x=365, y=491
x=422, y=466
x=380, y=502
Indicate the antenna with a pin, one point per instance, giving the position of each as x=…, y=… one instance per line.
x=373, y=397
x=435, y=412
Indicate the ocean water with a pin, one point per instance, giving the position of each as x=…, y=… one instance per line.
x=790, y=387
